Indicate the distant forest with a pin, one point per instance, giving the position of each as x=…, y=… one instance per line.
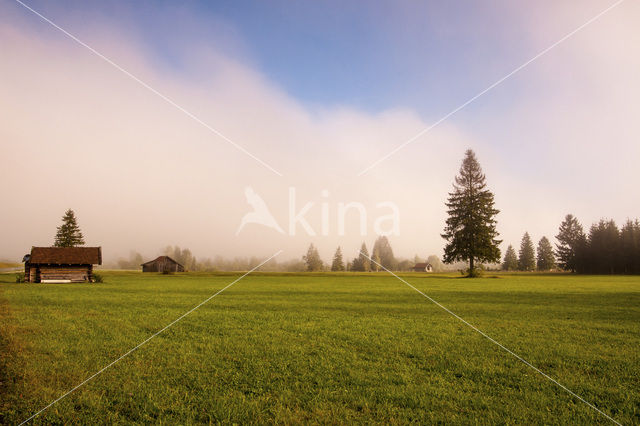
x=606, y=249
x=185, y=257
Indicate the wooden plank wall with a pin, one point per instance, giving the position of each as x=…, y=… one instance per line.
x=73, y=273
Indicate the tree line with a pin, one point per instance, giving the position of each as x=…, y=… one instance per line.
x=606, y=249
x=185, y=257
x=381, y=258
x=526, y=259
x=310, y=262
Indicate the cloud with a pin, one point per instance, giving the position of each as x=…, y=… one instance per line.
x=77, y=133
x=141, y=174
x=569, y=136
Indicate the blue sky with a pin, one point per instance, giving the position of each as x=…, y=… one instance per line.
x=373, y=55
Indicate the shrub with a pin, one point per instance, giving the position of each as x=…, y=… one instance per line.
x=477, y=272
x=97, y=278
x=20, y=277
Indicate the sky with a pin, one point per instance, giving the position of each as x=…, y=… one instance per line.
x=318, y=92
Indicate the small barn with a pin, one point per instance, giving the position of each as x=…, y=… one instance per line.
x=423, y=267
x=162, y=264
x=61, y=264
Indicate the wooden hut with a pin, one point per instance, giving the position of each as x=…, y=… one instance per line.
x=423, y=267
x=61, y=264
x=162, y=264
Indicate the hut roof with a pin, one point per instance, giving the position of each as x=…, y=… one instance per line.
x=160, y=258
x=66, y=255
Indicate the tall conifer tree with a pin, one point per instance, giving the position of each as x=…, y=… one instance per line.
x=546, y=259
x=382, y=248
x=510, y=259
x=362, y=263
x=312, y=259
x=338, y=263
x=571, y=239
x=470, y=229
x=527, y=254
x=375, y=260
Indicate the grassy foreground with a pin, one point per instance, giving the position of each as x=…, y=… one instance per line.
x=321, y=349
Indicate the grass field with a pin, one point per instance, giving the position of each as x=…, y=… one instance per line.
x=321, y=349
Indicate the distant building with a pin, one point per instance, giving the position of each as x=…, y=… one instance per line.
x=423, y=267
x=162, y=264
x=61, y=264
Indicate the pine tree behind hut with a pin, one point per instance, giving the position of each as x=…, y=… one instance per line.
x=69, y=234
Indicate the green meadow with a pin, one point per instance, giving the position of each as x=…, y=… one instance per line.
x=321, y=348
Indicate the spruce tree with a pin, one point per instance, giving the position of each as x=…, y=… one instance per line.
x=471, y=226
x=362, y=263
x=527, y=254
x=571, y=240
x=383, y=249
x=630, y=247
x=546, y=259
x=510, y=259
x=375, y=260
x=356, y=264
x=312, y=259
x=338, y=263
x=603, y=248
x=69, y=234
